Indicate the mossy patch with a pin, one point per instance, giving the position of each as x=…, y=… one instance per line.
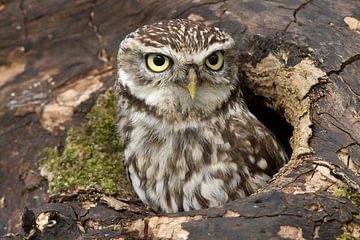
x=93, y=155
x=351, y=230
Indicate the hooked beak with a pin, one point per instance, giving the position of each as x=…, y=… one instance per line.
x=192, y=86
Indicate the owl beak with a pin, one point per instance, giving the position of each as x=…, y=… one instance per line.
x=192, y=86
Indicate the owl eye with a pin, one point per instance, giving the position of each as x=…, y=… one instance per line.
x=157, y=62
x=215, y=61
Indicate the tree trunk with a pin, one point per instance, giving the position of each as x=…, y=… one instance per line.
x=301, y=58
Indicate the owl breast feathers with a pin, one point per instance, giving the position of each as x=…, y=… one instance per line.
x=190, y=141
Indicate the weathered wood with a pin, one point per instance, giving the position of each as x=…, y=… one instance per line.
x=301, y=57
x=302, y=215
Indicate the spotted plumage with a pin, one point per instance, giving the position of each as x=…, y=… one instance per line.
x=190, y=141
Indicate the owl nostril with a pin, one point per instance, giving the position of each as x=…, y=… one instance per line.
x=191, y=66
x=190, y=70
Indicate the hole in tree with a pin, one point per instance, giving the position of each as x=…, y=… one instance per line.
x=273, y=120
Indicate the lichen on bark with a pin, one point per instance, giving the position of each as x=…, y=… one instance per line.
x=92, y=156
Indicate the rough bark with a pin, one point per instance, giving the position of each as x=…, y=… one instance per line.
x=301, y=57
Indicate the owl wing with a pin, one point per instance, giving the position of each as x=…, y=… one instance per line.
x=254, y=145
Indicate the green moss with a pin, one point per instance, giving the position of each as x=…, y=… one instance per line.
x=92, y=156
x=354, y=197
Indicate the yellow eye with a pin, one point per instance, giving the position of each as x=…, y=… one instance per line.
x=215, y=61
x=157, y=62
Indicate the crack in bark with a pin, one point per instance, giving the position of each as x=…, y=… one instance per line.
x=146, y=229
x=197, y=6
x=348, y=145
x=341, y=129
x=295, y=179
x=311, y=91
x=348, y=157
x=350, y=88
x=102, y=54
x=342, y=67
x=338, y=173
x=295, y=13
x=24, y=15
x=349, y=61
x=280, y=213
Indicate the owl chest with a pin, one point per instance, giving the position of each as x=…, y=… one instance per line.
x=177, y=152
x=181, y=170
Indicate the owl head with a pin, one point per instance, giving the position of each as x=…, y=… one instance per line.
x=182, y=69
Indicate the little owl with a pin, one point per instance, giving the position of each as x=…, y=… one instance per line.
x=190, y=141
